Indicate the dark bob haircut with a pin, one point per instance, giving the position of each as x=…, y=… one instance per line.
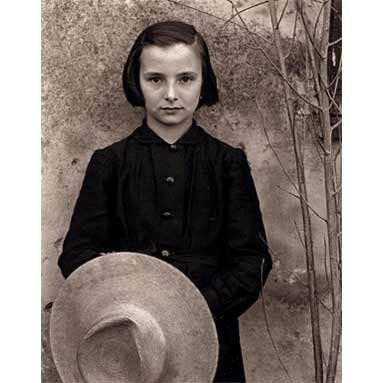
x=164, y=34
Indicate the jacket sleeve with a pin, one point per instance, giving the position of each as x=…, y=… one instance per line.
x=237, y=286
x=90, y=230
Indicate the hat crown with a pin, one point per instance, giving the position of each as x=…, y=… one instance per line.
x=102, y=326
x=125, y=344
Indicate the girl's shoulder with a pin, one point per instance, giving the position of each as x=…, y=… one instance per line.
x=220, y=149
x=115, y=152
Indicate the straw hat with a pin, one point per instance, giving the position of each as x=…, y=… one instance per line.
x=128, y=317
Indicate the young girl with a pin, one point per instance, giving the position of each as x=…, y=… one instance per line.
x=172, y=191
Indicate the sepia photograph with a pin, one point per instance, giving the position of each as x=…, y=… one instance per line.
x=191, y=191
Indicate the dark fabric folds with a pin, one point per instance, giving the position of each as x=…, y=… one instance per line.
x=206, y=220
x=214, y=205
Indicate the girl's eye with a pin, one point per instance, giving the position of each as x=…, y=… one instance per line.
x=186, y=79
x=155, y=80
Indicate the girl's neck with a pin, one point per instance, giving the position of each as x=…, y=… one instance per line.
x=170, y=134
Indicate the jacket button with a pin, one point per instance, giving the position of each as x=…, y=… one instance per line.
x=173, y=147
x=165, y=253
x=170, y=180
x=167, y=215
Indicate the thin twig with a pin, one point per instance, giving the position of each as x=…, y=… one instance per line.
x=337, y=76
x=308, y=235
x=296, y=141
x=324, y=2
x=338, y=190
x=282, y=13
x=304, y=136
x=314, y=132
x=329, y=95
x=324, y=306
x=336, y=124
x=272, y=147
x=318, y=138
x=317, y=20
x=294, y=35
x=308, y=34
x=339, y=150
x=299, y=234
x=337, y=79
x=285, y=79
x=299, y=197
x=195, y=9
x=243, y=10
x=317, y=143
x=284, y=368
x=319, y=81
x=331, y=203
x=217, y=17
x=325, y=262
x=334, y=42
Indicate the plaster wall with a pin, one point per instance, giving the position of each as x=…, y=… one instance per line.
x=85, y=44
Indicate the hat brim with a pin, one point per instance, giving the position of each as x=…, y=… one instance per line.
x=151, y=284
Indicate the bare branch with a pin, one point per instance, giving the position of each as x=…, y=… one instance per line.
x=318, y=144
x=299, y=234
x=217, y=17
x=331, y=200
x=318, y=78
x=258, y=47
x=244, y=10
x=337, y=76
x=336, y=124
x=324, y=361
x=269, y=331
x=338, y=190
x=303, y=138
x=314, y=133
x=329, y=95
x=337, y=186
x=335, y=42
x=325, y=262
x=294, y=35
x=296, y=140
x=272, y=147
x=308, y=34
x=324, y=306
x=324, y=2
x=195, y=9
x=337, y=152
x=317, y=20
x=282, y=13
x=310, y=260
x=318, y=139
x=299, y=197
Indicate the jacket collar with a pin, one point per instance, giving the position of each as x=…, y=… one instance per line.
x=146, y=135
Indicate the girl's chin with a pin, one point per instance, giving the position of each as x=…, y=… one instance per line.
x=173, y=120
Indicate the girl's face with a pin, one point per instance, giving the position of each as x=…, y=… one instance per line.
x=170, y=81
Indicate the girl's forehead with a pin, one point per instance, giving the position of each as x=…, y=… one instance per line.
x=180, y=56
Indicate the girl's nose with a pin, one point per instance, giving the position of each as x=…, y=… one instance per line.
x=170, y=93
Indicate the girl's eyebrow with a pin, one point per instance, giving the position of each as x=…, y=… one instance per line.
x=190, y=73
x=148, y=74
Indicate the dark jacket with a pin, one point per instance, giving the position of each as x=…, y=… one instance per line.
x=192, y=204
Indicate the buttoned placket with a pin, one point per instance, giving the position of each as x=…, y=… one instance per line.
x=168, y=163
